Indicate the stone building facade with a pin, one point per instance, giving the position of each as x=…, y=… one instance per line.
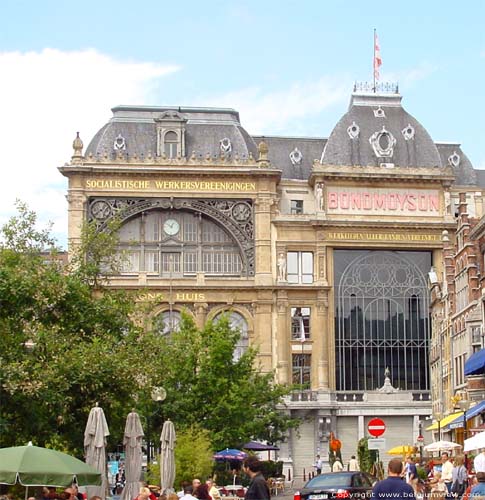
x=319, y=248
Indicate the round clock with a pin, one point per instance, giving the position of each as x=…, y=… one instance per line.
x=171, y=227
x=100, y=209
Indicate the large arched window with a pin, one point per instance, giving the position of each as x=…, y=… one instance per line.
x=167, y=322
x=237, y=322
x=170, y=144
x=176, y=244
x=381, y=319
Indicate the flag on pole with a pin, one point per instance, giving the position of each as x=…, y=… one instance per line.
x=302, y=330
x=377, y=57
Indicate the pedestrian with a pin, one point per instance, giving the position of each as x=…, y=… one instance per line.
x=393, y=487
x=446, y=470
x=479, y=462
x=437, y=486
x=144, y=493
x=353, y=464
x=337, y=466
x=318, y=465
x=202, y=492
x=411, y=473
x=195, y=485
x=213, y=491
x=258, y=488
x=459, y=477
x=188, y=493
x=479, y=489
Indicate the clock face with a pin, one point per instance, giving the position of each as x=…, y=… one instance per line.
x=171, y=227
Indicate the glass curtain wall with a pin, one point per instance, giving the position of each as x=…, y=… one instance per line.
x=381, y=319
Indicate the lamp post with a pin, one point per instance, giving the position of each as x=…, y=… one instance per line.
x=438, y=419
x=464, y=405
x=158, y=395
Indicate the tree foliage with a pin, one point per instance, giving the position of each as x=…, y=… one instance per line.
x=233, y=399
x=88, y=345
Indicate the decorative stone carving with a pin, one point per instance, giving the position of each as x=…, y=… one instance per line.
x=408, y=132
x=296, y=157
x=447, y=196
x=387, y=388
x=119, y=143
x=454, y=159
x=263, y=154
x=102, y=210
x=281, y=267
x=319, y=200
x=225, y=145
x=353, y=131
x=77, y=145
x=383, y=143
x=379, y=113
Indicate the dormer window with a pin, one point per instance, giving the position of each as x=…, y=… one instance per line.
x=170, y=134
x=170, y=144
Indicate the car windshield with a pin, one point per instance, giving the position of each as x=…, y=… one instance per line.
x=330, y=481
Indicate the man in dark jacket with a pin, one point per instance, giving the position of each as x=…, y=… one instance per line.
x=258, y=488
x=393, y=488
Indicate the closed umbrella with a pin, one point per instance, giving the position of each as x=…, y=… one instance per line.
x=95, y=448
x=133, y=456
x=36, y=466
x=167, y=457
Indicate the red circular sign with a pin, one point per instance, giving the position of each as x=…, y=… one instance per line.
x=376, y=427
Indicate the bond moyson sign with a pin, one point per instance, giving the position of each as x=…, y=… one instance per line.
x=377, y=201
x=161, y=185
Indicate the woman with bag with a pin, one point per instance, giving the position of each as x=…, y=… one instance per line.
x=459, y=478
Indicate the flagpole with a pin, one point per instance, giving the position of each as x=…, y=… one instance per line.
x=374, y=62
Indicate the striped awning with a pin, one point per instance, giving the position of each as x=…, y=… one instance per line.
x=444, y=421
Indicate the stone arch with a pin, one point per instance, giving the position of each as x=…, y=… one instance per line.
x=165, y=308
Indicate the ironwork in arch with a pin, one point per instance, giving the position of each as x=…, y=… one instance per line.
x=381, y=319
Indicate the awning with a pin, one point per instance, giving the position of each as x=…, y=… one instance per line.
x=472, y=412
x=444, y=421
x=475, y=364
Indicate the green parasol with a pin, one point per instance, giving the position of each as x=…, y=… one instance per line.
x=35, y=466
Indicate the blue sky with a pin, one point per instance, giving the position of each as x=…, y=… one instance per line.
x=286, y=66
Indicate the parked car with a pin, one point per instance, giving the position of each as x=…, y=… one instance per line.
x=334, y=485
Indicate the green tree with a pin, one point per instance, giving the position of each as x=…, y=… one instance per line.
x=85, y=347
x=233, y=399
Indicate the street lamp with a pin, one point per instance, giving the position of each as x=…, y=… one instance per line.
x=158, y=395
x=438, y=419
x=464, y=405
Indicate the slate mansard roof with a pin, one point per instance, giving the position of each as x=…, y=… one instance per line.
x=353, y=141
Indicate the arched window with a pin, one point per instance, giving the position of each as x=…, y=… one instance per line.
x=381, y=319
x=167, y=322
x=171, y=142
x=173, y=244
x=237, y=322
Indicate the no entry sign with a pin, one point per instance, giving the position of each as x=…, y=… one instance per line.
x=376, y=427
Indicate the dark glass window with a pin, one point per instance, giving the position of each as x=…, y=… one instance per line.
x=381, y=319
x=301, y=370
x=296, y=207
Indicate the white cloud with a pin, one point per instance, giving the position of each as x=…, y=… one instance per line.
x=45, y=98
x=275, y=112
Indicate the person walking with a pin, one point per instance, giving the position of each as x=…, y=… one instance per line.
x=459, y=477
x=393, y=487
x=318, y=465
x=479, y=461
x=411, y=473
x=353, y=464
x=447, y=471
x=258, y=488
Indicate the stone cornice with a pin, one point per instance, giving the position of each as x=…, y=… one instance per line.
x=374, y=174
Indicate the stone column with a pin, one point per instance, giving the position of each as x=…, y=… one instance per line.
x=263, y=331
x=201, y=314
x=283, y=365
x=262, y=240
x=76, y=216
x=320, y=343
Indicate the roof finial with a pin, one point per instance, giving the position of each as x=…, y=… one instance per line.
x=263, y=154
x=77, y=145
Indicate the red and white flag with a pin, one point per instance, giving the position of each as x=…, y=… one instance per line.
x=377, y=57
